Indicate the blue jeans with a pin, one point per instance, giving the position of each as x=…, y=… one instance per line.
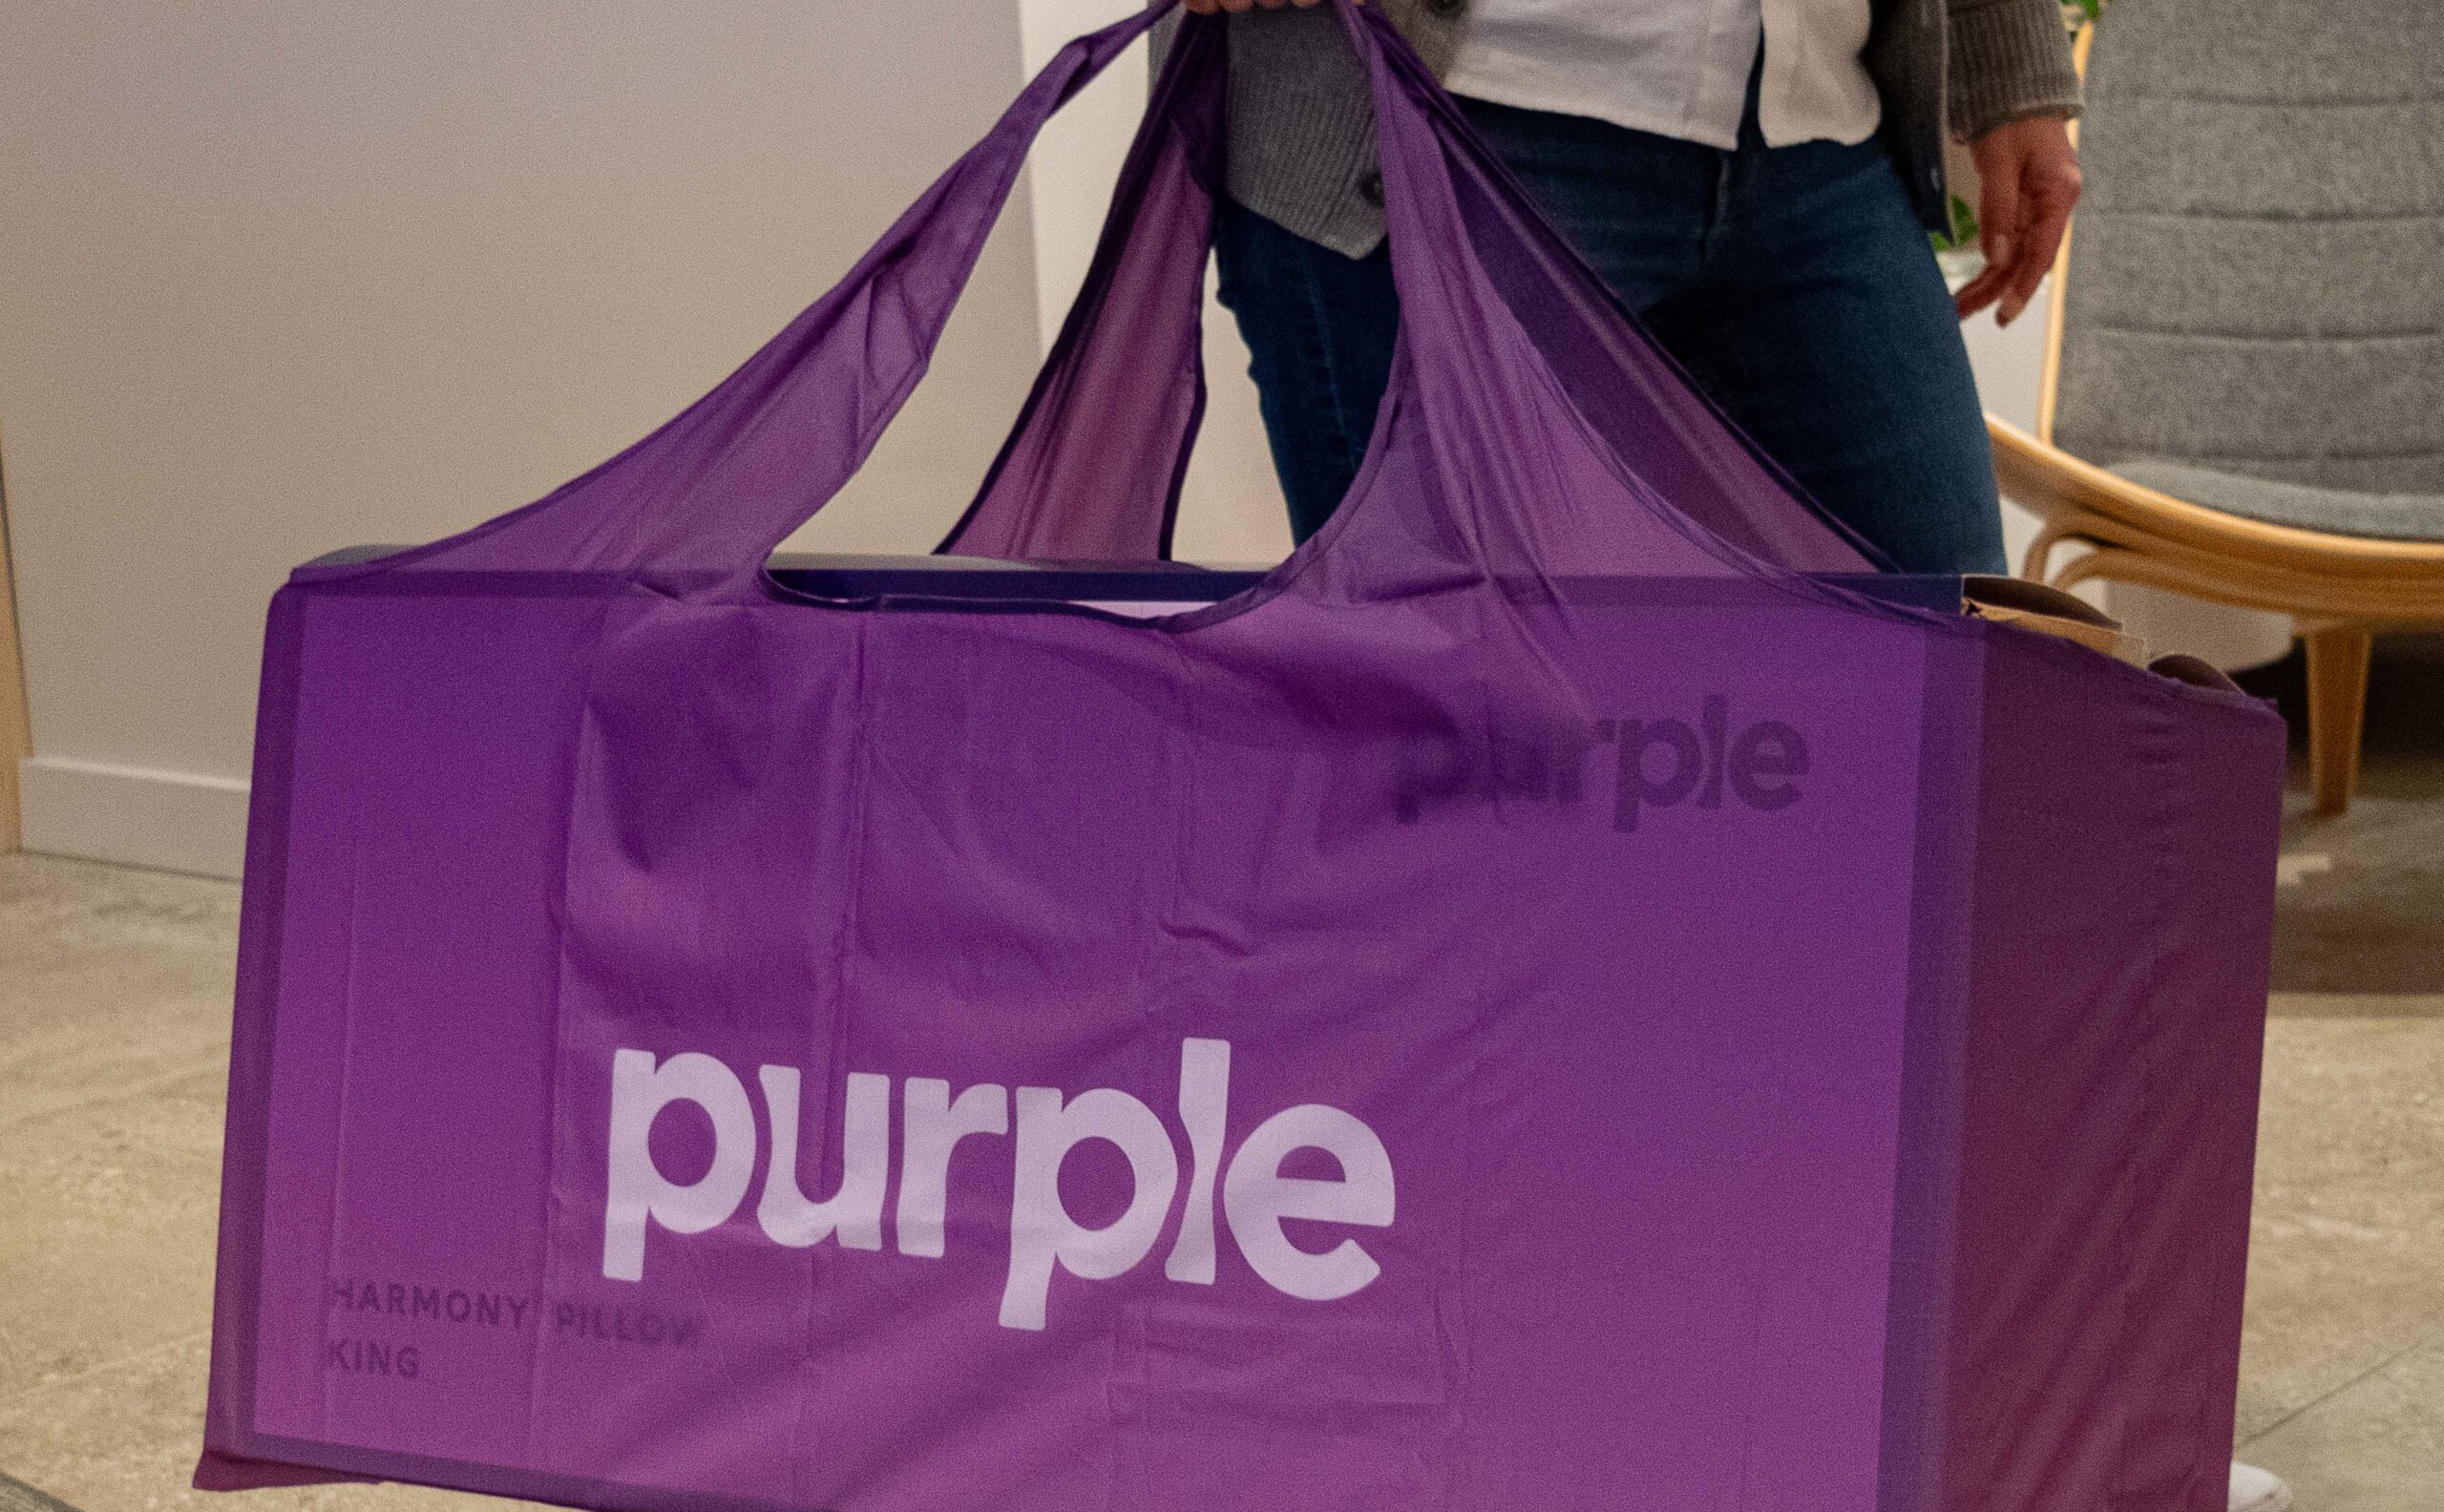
x=1793, y=282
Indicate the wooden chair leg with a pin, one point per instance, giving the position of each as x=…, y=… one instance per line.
x=2040, y=551
x=2337, y=708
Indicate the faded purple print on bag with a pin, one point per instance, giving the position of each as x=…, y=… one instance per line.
x=1759, y=764
x=1548, y=1000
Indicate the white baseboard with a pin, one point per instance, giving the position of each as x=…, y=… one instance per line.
x=168, y=821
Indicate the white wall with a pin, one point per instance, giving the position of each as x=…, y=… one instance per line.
x=277, y=279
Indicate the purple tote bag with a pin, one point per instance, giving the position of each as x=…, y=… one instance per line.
x=1546, y=1001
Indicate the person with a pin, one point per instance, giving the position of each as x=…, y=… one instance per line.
x=1752, y=176
x=1756, y=178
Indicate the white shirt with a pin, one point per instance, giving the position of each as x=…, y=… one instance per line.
x=1678, y=68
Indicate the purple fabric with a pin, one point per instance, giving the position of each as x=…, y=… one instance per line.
x=1508, y=1012
x=2110, y=1076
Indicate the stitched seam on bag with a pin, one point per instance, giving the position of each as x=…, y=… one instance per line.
x=561, y=915
x=338, y=1202
x=1457, y=1353
x=1157, y=976
x=2156, y=753
x=844, y=948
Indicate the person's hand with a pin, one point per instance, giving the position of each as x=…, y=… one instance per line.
x=2028, y=180
x=1210, y=7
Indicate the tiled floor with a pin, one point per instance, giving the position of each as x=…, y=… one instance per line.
x=114, y=1044
x=2342, y=1382
x=114, y=1015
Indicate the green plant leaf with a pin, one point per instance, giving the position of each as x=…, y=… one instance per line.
x=1964, y=227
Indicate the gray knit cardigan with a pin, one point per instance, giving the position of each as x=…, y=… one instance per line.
x=1302, y=132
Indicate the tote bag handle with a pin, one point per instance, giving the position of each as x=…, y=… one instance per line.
x=1092, y=470
x=695, y=508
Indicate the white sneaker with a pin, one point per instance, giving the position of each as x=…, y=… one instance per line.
x=2255, y=1490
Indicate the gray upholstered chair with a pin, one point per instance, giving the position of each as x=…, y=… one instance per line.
x=2244, y=387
